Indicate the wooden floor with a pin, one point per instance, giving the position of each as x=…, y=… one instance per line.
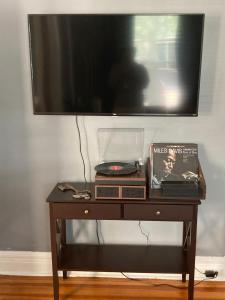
x=40, y=288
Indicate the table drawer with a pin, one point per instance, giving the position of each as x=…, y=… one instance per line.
x=159, y=212
x=87, y=211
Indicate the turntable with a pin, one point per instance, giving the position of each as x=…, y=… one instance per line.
x=121, y=179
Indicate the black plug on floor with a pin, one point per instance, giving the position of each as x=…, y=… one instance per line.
x=211, y=274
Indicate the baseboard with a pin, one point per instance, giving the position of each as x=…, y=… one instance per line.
x=26, y=263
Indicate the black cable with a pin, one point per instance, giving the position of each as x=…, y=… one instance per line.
x=154, y=284
x=88, y=157
x=80, y=148
x=128, y=277
x=186, y=237
x=100, y=231
x=143, y=233
x=170, y=285
x=97, y=232
x=197, y=283
x=203, y=273
x=165, y=284
x=202, y=281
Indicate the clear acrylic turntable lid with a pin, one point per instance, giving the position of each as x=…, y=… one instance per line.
x=120, y=144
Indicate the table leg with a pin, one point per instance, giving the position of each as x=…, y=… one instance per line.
x=63, y=241
x=192, y=252
x=53, y=233
x=185, y=232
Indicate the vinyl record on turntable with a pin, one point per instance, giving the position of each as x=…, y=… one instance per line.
x=115, y=168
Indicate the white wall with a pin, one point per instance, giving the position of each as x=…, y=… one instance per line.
x=38, y=151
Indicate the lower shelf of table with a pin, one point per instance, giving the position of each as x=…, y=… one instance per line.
x=123, y=258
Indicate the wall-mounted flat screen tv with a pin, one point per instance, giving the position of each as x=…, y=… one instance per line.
x=116, y=64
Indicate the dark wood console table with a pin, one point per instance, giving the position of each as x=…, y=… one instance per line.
x=124, y=258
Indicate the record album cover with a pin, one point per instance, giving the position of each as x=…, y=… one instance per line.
x=173, y=162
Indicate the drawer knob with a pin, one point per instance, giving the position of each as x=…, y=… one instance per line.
x=158, y=212
x=86, y=211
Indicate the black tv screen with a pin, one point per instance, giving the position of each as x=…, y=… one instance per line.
x=108, y=64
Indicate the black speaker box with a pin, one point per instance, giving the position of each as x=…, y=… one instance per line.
x=120, y=192
x=180, y=188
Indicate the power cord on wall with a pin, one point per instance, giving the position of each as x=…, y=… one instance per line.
x=87, y=149
x=84, y=168
x=97, y=232
x=145, y=234
x=80, y=148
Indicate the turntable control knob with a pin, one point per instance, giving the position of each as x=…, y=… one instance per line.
x=86, y=211
x=158, y=212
